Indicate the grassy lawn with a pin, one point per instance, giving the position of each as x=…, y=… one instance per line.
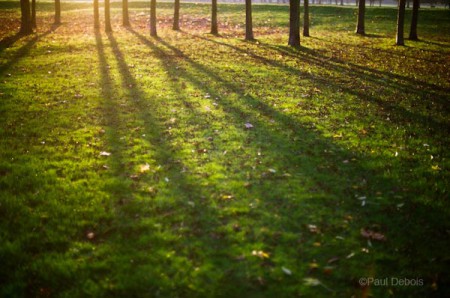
x=192, y=165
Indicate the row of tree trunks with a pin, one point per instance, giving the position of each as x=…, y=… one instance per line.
x=360, y=28
x=28, y=18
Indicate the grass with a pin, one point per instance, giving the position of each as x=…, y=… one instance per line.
x=128, y=167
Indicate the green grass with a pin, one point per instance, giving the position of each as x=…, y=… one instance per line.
x=127, y=170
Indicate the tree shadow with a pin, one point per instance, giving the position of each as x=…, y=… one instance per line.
x=360, y=47
x=176, y=199
x=23, y=50
x=319, y=168
x=391, y=83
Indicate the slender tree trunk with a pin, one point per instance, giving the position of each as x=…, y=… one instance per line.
x=125, y=17
x=153, y=18
x=214, y=29
x=96, y=15
x=176, y=15
x=360, y=28
x=57, y=12
x=33, y=14
x=294, y=23
x=248, y=20
x=108, y=27
x=25, y=22
x=414, y=20
x=400, y=22
x=306, y=18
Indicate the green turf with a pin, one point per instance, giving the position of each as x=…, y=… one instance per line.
x=128, y=167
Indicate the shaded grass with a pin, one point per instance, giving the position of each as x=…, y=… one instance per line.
x=191, y=203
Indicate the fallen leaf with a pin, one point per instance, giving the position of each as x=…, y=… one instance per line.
x=368, y=234
x=435, y=168
x=311, y=281
x=286, y=270
x=313, y=228
x=144, y=168
x=261, y=254
x=332, y=260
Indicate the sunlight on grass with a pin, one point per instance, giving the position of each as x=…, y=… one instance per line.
x=192, y=165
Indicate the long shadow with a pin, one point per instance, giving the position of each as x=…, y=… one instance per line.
x=311, y=139
x=366, y=48
x=24, y=50
x=309, y=162
x=359, y=73
x=202, y=220
x=9, y=41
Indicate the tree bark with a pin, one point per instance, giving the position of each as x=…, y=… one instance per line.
x=414, y=20
x=125, y=17
x=248, y=20
x=176, y=15
x=57, y=12
x=153, y=31
x=306, y=18
x=294, y=23
x=96, y=15
x=360, y=27
x=33, y=14
x=108, y=27
x=25, y=22
x=400, y=22
x=214, y=29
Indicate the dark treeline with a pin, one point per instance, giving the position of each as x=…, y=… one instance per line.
x=28, y=17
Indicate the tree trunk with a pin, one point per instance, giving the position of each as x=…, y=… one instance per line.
x=108, y=27
x=214, y=29
x=360, y=28
x=294, y=23
x=125, y=17
x=400, y=22
x=414, y=20
x=33, y=14
x=306, y=18
x=153, y=18
x=176, y=15
x=96, y=15
x=25, y=24
x=248, y=20
x=57, y=12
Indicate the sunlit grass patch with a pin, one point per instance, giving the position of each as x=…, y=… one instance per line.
x=193, y=165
